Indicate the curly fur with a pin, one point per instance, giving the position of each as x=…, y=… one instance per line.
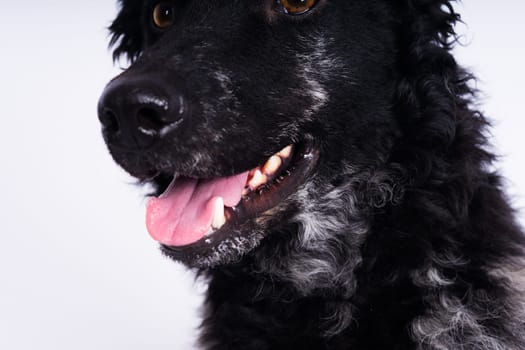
x=403, y=237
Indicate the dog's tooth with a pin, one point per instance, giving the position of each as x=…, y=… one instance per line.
x=251, y=173
x=258, y=179
x=247, y=187
x=272, y=165
x=218, y=213
x=286, y=152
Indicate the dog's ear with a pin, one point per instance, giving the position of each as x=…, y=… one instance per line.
x=433, y=90
x=126, y=30
x=434, y=95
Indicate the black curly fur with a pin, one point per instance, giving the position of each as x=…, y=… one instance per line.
x=403, y=238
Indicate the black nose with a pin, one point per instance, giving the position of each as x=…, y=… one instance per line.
x=137, y=110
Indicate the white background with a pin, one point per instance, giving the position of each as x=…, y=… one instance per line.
x=77, y=268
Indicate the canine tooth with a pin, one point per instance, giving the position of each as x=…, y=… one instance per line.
x=257, y=180
x=272, y=165
x=218, y=213
x=285, y=152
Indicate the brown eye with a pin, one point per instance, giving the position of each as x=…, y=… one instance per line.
x=297, y=7
x=164, y=14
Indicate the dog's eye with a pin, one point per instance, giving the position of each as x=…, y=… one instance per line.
x=297, y=7
x=164, y=14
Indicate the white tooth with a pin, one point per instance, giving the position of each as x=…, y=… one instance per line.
x=218, y=213
x=285, y=152
x=272, y=165
x=257, y=180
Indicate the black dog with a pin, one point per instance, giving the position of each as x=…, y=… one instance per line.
x=321, y=164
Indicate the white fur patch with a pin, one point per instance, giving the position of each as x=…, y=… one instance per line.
x=452, y=323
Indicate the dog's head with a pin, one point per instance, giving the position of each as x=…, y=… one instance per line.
x=269, y=124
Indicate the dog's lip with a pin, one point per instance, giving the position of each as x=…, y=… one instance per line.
x=254, y=204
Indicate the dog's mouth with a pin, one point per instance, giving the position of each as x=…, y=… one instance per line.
x=196, y=215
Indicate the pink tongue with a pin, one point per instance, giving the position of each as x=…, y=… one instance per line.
x=184, y=214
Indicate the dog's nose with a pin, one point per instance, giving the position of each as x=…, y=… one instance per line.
x=135, y=111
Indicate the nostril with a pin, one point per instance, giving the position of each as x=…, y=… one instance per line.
x=109, y=121
x=150, y=120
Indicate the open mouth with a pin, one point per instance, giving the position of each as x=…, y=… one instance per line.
x=197, y=214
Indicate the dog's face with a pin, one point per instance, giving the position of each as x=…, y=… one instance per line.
x=248, y=115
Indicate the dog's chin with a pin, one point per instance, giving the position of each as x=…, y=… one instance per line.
x=230, y=229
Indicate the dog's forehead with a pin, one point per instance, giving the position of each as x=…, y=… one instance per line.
x=223, y=15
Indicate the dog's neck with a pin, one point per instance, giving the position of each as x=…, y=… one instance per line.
x=249, y=308
x=254, y=312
